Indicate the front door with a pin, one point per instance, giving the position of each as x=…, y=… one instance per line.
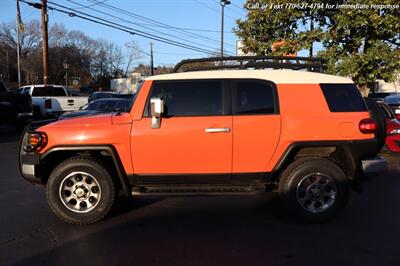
x=194, y=142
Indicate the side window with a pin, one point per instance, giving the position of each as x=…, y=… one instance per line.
x=58, y=91
x=386, y=110
x=343, y=98
x=253, y=97
x=26, y=90
x=190, y=98
x=40, y=91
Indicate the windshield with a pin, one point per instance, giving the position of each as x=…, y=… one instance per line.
x=103, y=106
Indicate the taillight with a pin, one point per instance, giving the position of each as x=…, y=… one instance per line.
x=47, y=103
x=35, y=141
x=367, y=126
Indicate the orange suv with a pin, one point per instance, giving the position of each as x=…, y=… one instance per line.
x=307, y=136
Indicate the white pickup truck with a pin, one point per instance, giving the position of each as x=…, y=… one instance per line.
x=52, y=100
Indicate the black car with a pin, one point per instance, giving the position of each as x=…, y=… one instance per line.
x=101, y=106
x=107, y=94
x=379, y=96
x=87, y=89
x=15, y=109
x=394, y=103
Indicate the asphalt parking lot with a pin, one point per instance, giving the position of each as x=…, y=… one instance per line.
x=196, y=230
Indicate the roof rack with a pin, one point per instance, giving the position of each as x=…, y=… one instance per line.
x=252, y=62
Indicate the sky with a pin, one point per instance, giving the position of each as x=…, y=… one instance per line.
x=202, y=15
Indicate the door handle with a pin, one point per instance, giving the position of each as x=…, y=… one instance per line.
x=218, y=130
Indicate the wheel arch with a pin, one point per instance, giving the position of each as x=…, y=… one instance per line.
x=107, y=155
x=340, y=153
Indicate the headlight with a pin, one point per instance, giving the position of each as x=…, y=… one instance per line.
x=35, y=141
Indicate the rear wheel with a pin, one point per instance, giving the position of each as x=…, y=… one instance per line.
x=314, y=189
x=379, y=116
x=80, y=191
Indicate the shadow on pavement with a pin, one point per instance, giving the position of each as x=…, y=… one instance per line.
x=225, y=231
x=9, y=134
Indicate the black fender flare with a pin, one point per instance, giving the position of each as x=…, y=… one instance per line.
x=126, y=187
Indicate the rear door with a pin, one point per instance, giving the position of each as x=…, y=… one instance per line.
x=256, y=124
x=194, y=142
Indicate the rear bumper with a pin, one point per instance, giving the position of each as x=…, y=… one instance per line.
x=373, y=166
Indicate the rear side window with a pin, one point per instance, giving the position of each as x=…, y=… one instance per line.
x=343, y=98
x=58, y=91
x=190, y=98
x=40, y=91
x=48, y=91
x=252, y=97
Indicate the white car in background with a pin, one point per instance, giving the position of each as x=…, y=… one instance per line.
x=52, y=100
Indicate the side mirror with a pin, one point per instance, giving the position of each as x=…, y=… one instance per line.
x=157, y=109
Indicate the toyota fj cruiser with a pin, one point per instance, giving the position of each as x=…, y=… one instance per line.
x=306, y=135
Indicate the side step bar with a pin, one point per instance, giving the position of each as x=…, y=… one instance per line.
x=198, y=190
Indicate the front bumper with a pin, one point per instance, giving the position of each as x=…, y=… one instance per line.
x=29, y=168
x=373, y=166
x=28, y=161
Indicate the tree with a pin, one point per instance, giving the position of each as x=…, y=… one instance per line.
x=361, y=43
x=88, y=58
x=134, y=54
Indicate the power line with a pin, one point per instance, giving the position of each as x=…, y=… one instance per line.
x=142, y=33
x=211, y=8
x=120, y=27
x=156, y=23
x=162, y=26
x=230, y=9
x=92, y=5
x=127, y=21
x=238, y=7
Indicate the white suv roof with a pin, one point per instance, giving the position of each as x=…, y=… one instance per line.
x=276, y=76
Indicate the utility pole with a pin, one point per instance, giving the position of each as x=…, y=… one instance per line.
x=223, y=4
x=7, y=66
x=311, y=31
x=18, y=44
x=151, y=59
x=45, y=43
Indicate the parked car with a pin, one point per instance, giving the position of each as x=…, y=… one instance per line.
x=100, y=106
x=230, y=132
x=15, y=109
x=107, y=94
x=394, y=103
x=379, y=96
x=393, y=128
x=88, y=89
x=52, y=100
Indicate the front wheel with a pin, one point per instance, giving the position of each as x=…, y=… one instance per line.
x=80, y=191
x=314, y=189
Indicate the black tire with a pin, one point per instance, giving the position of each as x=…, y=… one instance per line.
x=379, y=116
x=103, y=201
x=293, y=177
